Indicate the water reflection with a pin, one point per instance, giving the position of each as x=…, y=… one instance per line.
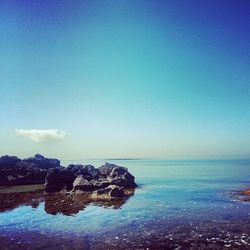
x=11, y=198
x=72, y=204
x=65, y=204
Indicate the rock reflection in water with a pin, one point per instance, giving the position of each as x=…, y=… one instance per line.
x=11, y=198
x=70, y=204
x=58, y=203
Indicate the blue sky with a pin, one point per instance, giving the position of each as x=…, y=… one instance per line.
x=168, y=79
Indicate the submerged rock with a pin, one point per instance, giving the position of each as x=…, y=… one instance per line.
x=83, y=184
x=15, y=171
x=72, y=203
x=110, y=192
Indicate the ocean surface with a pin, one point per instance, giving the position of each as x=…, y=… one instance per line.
x=178, y=205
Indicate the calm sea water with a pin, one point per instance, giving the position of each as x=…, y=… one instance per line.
x=178, y=205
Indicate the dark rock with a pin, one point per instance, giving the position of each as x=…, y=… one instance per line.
x=88, y=178
x=110, y=192
x=106, y=169
x=91, y=170
x=14, y=171
x=43, y=162
x=83, y=184
x=59, y=179
x=76, y=169
x=7, y=161
x=109, y=181
x=118, y=175
x=88, y=171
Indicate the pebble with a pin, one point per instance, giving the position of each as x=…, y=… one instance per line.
x=243, y=241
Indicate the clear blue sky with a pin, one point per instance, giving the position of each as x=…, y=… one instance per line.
x=126, y=78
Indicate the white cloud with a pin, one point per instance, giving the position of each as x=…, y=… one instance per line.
x=42, y=135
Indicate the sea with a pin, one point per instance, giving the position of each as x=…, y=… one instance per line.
x=191, y=204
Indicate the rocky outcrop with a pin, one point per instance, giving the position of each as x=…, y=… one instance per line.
x=42, y=162
x=81, y=183
x=7, y=161
x=88, y=171
x=117, y=175
x=59, y=179
x=33, y=170
x=107, y=182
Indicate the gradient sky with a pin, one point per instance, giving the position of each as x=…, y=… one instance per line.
x=126, y=78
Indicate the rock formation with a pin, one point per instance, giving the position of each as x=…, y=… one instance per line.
x=33, y=170
x=107, y=182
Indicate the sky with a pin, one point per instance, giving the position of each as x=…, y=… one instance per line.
x=125, y=78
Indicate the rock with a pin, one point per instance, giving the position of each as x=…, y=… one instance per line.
x=82, y=176
x=88, y=179
x=106, y=169
x=110, y=192
x=88, y=171
x=76, y=169
x=83, y=184
x=59, y=179
x=118, y=175
x=91, y=170
x=7, y=161
x=43, y=162
x=108, y=181
x=14, y=171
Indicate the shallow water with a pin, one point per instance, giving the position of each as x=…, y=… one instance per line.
x=178, y=205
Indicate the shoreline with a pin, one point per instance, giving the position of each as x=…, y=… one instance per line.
x=178, y=235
